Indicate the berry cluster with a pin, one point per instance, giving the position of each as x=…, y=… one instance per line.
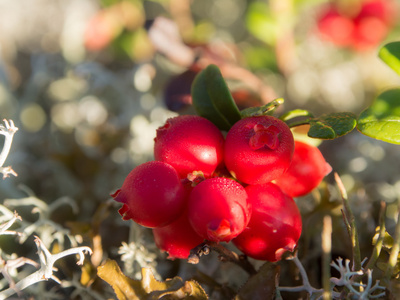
x=203, y=186
x=360, y=26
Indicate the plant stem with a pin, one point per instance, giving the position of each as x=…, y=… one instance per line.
x=382, y=229
x=394, y=253
x=326, y=257
x=349, y=218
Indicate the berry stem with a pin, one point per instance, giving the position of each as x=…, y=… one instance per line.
x=224, y=255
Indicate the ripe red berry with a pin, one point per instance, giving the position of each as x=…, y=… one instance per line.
x=189, y=143
x=258, y=149
x=152, y=194
x=177, y=238
x=275, y=224
x=218, y=209
x=306, y=171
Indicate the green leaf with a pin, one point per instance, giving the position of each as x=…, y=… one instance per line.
x=390, y=54
x=266, y=109
x=213, y=100
x=332, y=125
x=148, y=288
x=382, y=119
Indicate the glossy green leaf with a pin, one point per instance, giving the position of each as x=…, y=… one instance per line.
x=332, y=125
x=266, y=109
x=382, y=119
x=390, y=54
x=213, y=100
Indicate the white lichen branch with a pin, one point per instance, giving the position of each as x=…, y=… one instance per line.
x=45, y=272
x=44, y=226
x=7, y=266
x=306, y=283
x=8, y=131
x=5, y=226
x=347, y=279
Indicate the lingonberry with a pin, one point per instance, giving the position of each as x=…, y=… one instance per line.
x=189, y=143
x=218, y=209
x=152, y=194
x=177, y=238
x=275, y=224
x=258, y=149
x=306, y=171
x=360, y=28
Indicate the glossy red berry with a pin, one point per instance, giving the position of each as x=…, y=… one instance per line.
x=306, y=171
x=152, y=194
x=258, y=149
x=189, y=143
x=177, y=238
x=218, y=209
x=275, y=224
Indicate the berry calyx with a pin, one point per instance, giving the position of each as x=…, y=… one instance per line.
x=275, y=224
x=189, y=143
x=258, y=149
x=218, y=209
x=152, y=195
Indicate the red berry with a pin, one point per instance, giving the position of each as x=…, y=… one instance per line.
x=177, y=238
x=258, y=149
x=361, y=30
x=189, y=143
x=218, y=209
x=152, y=194
x=335, y=27
x=275, y=224
x=306, y=171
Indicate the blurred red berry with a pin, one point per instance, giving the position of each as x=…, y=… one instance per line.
x=100, y=31
x=258, y=149
x=189, y=143
x=335, y=27
x=152, y=194
x=275, y=224
x=218, y=209
x=306, y=171
x=361, y=30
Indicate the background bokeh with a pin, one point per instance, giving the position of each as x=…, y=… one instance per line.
x=87, y=82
